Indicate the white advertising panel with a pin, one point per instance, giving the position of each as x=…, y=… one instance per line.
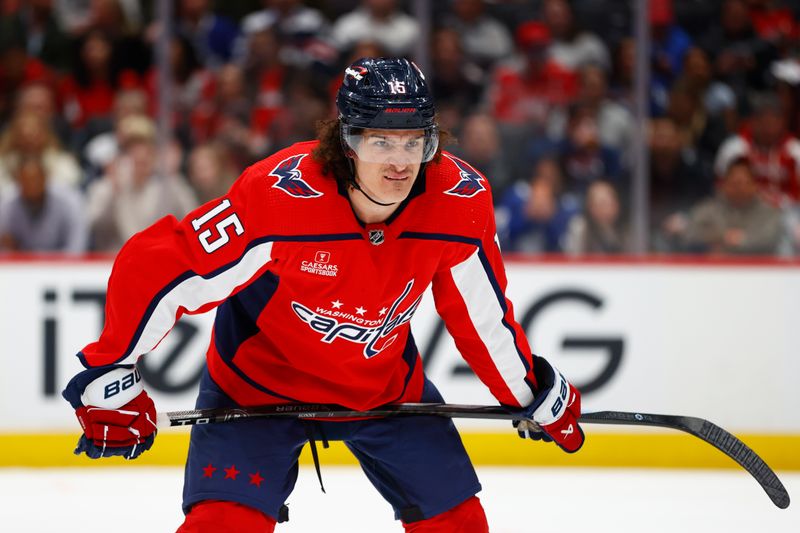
x=720, y=342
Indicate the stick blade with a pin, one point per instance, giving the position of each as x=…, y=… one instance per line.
x=714, y=435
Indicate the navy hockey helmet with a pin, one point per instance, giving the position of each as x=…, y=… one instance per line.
x=386, y=94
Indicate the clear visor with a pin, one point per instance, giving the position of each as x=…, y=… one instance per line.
x=392, y=146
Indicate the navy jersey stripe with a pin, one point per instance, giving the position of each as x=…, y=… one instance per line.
x=410, y=353
x=237, y=317
x=236, y=322
x=448, y=237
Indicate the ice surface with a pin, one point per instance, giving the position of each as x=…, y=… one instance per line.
x=517, y=500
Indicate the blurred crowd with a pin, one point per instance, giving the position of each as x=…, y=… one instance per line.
x=538, y=93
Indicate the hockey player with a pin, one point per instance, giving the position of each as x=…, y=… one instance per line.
x=316, y=260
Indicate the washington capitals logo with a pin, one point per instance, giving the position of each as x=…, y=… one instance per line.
x=470, y=183
x=290, y=178
x=375, y=335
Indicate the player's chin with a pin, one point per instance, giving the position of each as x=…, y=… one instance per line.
x=397, y=189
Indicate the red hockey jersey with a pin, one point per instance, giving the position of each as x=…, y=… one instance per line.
x=314, y=306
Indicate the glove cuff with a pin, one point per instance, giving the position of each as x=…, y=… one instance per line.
x=551, y=399
x=109, y=387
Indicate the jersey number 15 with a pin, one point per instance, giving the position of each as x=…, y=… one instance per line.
x=221, y=238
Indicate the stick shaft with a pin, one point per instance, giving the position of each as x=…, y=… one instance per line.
x=698, y=427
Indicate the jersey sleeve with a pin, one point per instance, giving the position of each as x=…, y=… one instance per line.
x=470, y=298
x=180, y=267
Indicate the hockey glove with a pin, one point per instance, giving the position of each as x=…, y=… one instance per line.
x=554, y=413
x=115, y=412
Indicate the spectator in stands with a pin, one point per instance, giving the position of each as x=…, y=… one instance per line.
x=736, y=220
x=77, y=17
x=104, y=145
x=120, y=21
x=304, y=32
x=581, y=154
x=600, y=228
x=41, y=217
x=773, y=152
x=224, y=103
x=37, y=23
x=677, y=182
x=614, y=121
x=740, y=56
x=773, y=22
x=17, y=69
x=188, y=81
x=265, y=76
x=622, y=74
x=226, y=114
x=669, y=46
x=456, y=82
x=701, y=133
x=533, y=216
x=524, y=91
x=381, y=21
x=132, y=195
x=786, y=73
x=211, y=171
x=717, y=98
x=572, y=48
x=306, y=104
x=484, y=39
x=481, y=145
x=88, y=92
x=30, y=135
x=610, y=20
x=39, y=99
x=212, y=36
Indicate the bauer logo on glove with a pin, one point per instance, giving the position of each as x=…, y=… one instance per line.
x=554, y=413
x=115, y=412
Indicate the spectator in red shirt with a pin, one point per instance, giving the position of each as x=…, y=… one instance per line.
x=89, y=91
x=265, y=76
x=17, y=69
x=224, y=101
x=773, y=23
x=524, y=92
x=771, y=150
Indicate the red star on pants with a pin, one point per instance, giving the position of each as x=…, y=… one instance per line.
x=256, y=479
x=231, y=473
x=209, y=471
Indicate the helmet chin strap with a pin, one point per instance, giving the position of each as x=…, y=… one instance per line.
x=356, y=186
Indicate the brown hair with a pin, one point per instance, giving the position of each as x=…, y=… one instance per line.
x=334, y=161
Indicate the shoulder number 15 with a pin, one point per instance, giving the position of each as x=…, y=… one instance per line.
x=221, y=238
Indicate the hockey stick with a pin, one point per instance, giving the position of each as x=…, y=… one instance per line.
x=700, y=428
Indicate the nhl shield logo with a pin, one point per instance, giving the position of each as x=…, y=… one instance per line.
x=376, y=236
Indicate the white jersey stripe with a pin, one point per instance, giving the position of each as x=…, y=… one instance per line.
x=487, y=316
x=195, y=292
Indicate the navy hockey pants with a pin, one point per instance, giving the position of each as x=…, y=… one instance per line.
x=418, y=464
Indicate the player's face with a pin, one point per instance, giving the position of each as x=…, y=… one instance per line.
x=387, y=162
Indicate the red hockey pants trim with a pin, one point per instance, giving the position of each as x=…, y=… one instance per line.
x=213, y=516
x=467, y=517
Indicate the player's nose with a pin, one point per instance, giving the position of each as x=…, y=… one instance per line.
x=398, y=165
